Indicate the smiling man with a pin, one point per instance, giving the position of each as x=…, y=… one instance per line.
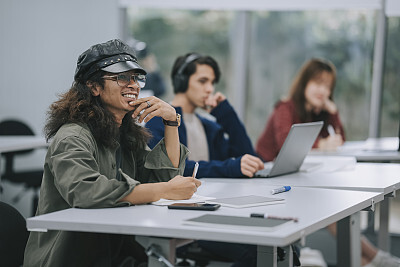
x=98, y=158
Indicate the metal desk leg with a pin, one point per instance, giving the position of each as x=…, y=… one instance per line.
x=288, y=262
x=1, y=188
x=348, y=241
x=268, y=256
x=371, y=223
x=383, y=233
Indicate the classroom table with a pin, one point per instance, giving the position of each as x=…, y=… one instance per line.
x=384, y=149
x=373, y=177
x=315, y=209
x=13, y=143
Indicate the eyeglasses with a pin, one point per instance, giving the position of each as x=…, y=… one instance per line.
x=124, y=80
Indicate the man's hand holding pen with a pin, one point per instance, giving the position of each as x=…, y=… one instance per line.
x=181, y=187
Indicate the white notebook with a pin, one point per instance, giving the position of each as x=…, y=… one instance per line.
x=194, y=199
x=246, y=201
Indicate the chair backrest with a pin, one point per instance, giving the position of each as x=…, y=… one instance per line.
x=14, y=127
x=13, y=236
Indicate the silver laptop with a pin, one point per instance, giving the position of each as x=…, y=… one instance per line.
x=297, y=144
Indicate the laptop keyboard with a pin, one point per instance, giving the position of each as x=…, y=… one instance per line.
x=263, y=173
x=310, y=166
x=305, y=167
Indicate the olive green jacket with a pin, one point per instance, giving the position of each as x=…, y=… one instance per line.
x=80, y=173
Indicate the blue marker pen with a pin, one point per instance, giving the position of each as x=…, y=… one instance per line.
x=280, y=190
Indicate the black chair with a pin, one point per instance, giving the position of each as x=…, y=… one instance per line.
x=200, y=256
x=31, y=179
x=13, y=236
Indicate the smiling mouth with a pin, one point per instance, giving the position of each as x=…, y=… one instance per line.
x=130, y=96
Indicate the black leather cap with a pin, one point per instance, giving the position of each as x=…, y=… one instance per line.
x=113, y=56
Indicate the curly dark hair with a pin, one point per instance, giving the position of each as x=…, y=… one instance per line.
x=78, y=105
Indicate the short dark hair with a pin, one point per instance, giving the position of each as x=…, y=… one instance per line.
x=180, y=76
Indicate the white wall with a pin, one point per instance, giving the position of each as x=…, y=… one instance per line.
x=40, y=42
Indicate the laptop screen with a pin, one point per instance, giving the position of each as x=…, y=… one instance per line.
x=297, y=144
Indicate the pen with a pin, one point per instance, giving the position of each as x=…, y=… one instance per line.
x=196, y=167
x=280, y=189
x=266, y=216
x=331, y=130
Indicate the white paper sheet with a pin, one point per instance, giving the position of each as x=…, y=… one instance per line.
x=331, y=163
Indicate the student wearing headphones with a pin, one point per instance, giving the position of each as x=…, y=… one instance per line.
x=221, y=146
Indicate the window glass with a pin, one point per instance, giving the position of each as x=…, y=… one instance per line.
x=391, y=81
x=173, y=33
x=283, y=41
x=279, y=43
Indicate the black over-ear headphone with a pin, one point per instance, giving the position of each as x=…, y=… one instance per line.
x=181, y=80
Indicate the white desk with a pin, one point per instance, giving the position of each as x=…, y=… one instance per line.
x=373, y=177
x=18, y=143
x=315, y=209
x=373, y=149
